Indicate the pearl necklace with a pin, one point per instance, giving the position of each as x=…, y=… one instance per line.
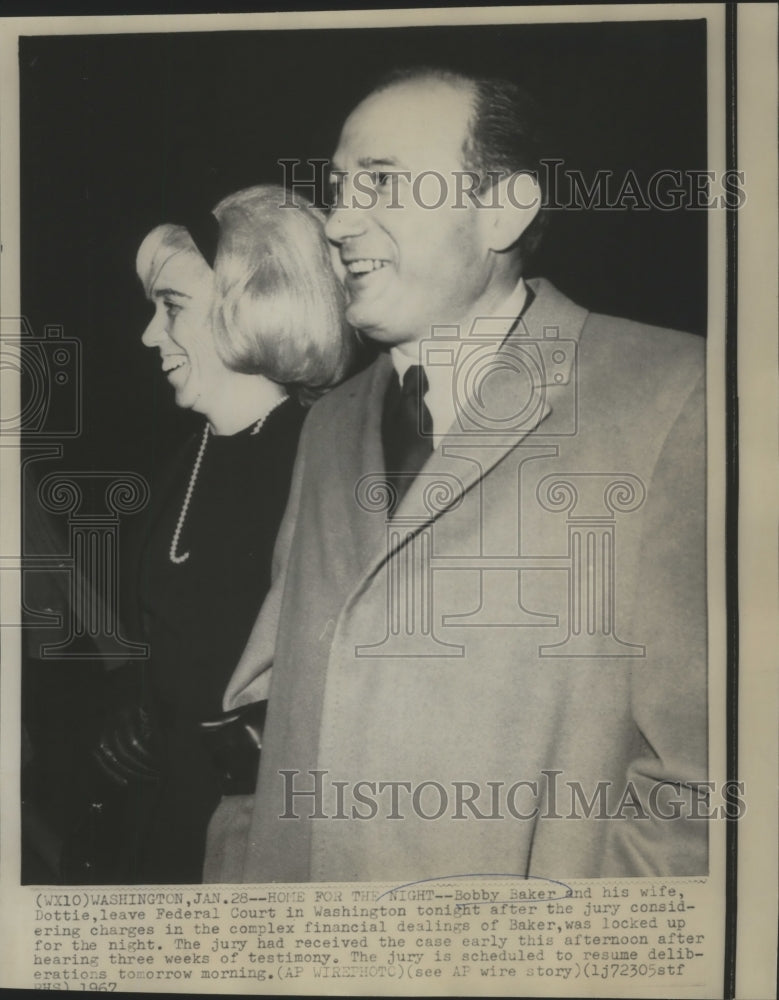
x=174, y=543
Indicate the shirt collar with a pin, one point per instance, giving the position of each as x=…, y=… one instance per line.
x=439, y=396
x=406, y=355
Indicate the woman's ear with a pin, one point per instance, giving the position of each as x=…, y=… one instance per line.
x=508, y=210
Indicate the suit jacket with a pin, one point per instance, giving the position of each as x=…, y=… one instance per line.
x=522, y=642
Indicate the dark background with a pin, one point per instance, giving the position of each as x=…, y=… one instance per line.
x=122, y=132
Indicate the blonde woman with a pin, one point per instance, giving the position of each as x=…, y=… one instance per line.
x=248, y=323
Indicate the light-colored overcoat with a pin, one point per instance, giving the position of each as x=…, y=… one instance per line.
x=522, y=643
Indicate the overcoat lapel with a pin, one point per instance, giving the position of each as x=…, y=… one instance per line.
x=519, y=394
x=361, y=462
x=295, y=720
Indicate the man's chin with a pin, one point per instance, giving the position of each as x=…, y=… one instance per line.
x=363, y=320
x=376, y=332
x=371, y=323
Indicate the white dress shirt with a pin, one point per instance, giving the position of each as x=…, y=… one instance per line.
x=441, y=399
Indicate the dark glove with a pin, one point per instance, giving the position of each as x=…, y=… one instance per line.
x=122, y=780
x=127, y=749
x=234, y=741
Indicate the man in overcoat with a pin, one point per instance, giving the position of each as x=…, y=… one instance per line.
x=487, y=632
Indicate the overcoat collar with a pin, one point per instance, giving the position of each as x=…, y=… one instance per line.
x=507, y=393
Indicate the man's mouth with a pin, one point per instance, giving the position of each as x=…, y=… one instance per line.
x=365, y=265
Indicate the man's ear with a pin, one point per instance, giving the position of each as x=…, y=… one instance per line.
x=508, y=209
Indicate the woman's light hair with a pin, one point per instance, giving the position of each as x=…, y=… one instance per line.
x=278, y=306
x=156, y=250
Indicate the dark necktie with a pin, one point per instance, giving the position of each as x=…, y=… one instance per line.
x=406, y=429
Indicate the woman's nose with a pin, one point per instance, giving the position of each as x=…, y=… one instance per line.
x=154, y=333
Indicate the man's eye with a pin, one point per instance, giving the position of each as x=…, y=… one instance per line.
x=381, y=178
x=172, y=308
x=335, y=188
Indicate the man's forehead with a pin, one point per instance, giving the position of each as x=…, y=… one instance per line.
x=420, y=124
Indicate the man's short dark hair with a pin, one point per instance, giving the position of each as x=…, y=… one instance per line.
x=504, y=134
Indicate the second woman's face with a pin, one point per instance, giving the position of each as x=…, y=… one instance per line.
x=181, y=329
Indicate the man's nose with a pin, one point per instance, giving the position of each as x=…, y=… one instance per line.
x=345, y=221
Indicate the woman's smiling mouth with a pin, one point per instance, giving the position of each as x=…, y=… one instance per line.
x=172, y=363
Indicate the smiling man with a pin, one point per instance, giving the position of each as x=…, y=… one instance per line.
x=409, y=262
x=487, y=627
